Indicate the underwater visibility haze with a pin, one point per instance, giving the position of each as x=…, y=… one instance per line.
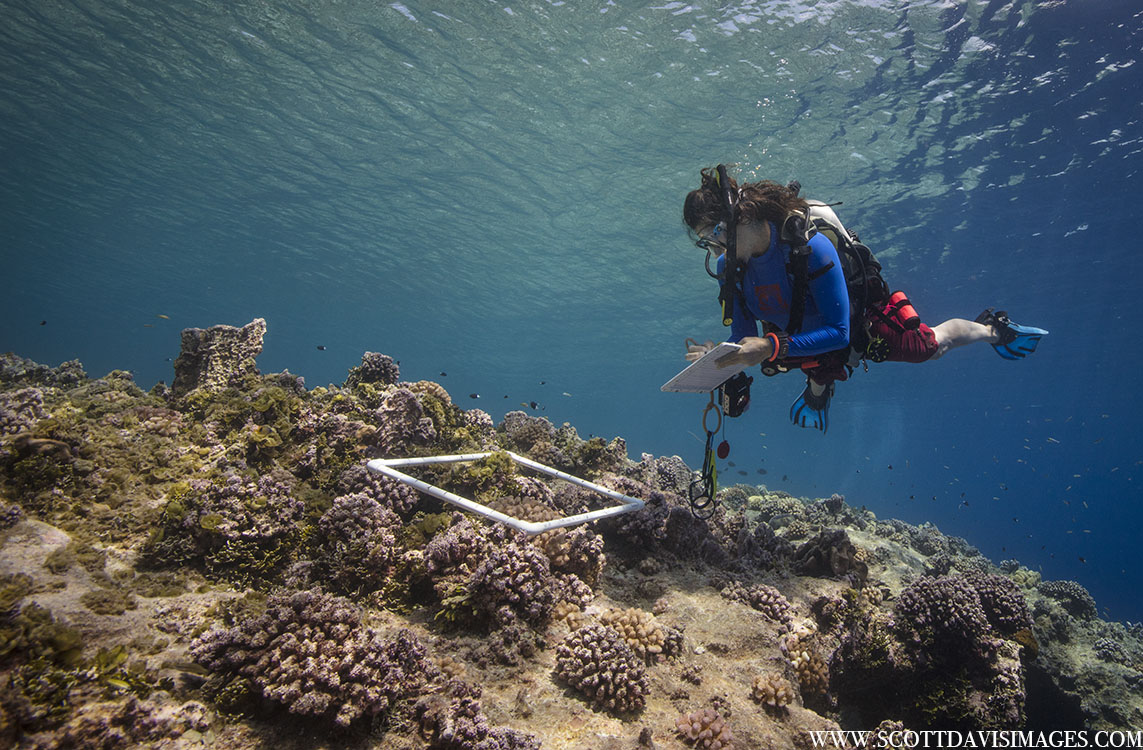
x=491, y=193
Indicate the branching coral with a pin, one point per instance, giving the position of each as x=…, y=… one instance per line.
x=1074, y=598
x=133, y=723
x=773, y=690
x=812, y=671
x=1002, y=601
x=234, y=528
x=639, y=629
x=20, y=409
x=492, y=575
x=766, y=599
x=456, y=721
x=390, y=493
x=944, y=617
x=311, y=652
x=530, y=435
x=598, y=663
x=357, y=544
x=705, y=729
x=667, y=474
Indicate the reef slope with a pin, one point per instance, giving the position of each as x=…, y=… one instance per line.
x=213, y=567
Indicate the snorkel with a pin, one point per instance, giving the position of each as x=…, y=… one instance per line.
x=730, y=269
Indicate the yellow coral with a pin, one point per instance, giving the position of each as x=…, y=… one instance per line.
x=643, y=634
x=773, y=690
x=705, y=729
x=812, y=670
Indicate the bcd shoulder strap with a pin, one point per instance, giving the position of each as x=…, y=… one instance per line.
x=797, y=230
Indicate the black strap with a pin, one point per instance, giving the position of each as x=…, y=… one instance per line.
x=729, y=291
x=798, y=268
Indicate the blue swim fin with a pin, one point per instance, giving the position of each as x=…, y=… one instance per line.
x=810, y=410
x=1016, y=341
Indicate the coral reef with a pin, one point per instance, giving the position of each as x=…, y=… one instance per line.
x=213, y=565
x=357, y=546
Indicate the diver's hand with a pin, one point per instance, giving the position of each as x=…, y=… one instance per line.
x=754, y=351
x=695, y=350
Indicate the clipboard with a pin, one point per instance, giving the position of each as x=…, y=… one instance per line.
x=703, y=375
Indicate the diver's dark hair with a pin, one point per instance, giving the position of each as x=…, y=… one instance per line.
x=757, y=202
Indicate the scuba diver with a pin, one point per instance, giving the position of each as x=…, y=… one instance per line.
x=788, y=265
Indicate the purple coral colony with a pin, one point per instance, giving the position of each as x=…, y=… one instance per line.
x=210, y=565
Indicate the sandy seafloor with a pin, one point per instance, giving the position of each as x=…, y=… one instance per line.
x=150, y=540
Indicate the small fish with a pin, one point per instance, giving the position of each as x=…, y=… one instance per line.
x=567, y=394
x=148, y=325
x=477, y=395
x=890, y=467
x=730, y=463
x=743, y=473
x=320, y=348
x=543, y=382
x=1053, y=440
x=785, y=477
x=444, y=374
x=164, y=317
x=763, y=472
x=43, y=322
x=1083, y=561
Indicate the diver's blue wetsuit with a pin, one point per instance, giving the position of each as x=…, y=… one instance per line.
x=768, y=291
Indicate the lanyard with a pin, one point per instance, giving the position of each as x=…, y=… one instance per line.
x=705, y=486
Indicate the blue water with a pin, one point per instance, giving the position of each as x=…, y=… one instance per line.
x=493, y=191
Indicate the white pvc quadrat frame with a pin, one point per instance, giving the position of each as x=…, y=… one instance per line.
x=385, y=466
